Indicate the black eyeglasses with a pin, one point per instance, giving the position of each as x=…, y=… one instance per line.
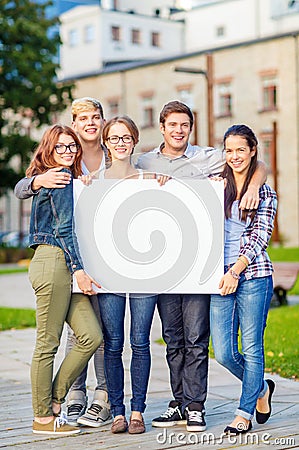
x=62, y=148
x=127, y=139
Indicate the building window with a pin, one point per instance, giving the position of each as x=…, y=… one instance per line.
x=269, y=93
x=115, y=33
x=267, y=149
x=73, y=38
x=185, y=95
x=224, y=100
x=220, y=31
x=113, y=107
x=89, y=33
x=155, y=40
x=135, y=36
x=147, y=112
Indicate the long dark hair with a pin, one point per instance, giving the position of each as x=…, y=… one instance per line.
x=231, y=189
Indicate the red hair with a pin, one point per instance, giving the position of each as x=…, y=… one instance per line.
x=43, y=158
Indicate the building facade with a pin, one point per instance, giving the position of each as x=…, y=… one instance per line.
x=94, y=37
x=254, y=82
x=120, y=31
x=216, y=23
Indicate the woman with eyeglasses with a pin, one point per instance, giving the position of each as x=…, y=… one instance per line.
x=55, y=260
x=120, y=135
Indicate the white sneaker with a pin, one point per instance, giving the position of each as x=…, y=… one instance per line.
x=76, y=406
x=98, y=413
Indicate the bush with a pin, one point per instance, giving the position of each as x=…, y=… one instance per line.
x=13, y=255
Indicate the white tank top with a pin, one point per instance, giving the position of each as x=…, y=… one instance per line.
x=140, y=174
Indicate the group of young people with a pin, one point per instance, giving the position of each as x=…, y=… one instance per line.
x=93, y=148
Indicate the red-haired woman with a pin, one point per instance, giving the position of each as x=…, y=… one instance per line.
x=55, y=260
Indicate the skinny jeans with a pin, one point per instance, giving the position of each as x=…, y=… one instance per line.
x=51, y=281
x=246, y=311
x=112, y=309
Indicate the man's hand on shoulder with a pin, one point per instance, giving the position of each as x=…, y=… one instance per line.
x=250, y=199
x=51, y=179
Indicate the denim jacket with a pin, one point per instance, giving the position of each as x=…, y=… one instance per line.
x=52, y=223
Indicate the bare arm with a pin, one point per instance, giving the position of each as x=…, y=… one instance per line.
x=251, y=199
x=229, y=282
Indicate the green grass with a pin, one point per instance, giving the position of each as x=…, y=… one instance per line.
x=15, y=270
x=281, y=342
x=295, y=288
x=284, y=254
x=16, y=318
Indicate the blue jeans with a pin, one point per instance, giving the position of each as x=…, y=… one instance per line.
x=246, y=310
x=112, y=308
x=186, y=331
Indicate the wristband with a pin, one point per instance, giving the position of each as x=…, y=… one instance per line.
x=243, y=261
x=234, y=274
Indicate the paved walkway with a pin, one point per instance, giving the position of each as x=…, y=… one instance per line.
x=281, y=432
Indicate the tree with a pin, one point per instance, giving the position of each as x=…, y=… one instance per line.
x=29, y=92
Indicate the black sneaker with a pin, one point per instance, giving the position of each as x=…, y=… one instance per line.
x=172, y=416
x=195, y=420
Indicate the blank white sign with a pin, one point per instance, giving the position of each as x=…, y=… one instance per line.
x=136, y=236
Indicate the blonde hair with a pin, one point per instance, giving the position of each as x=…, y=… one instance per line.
x=84, y=104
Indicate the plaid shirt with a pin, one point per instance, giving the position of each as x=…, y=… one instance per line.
x=257, y=234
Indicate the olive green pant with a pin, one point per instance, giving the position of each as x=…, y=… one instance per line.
x=51, y=281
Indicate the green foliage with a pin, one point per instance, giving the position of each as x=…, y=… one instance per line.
x=12, y=145
x=16, y=318
x=29, y=92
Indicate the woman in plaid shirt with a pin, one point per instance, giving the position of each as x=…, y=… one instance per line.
x=246, y=288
